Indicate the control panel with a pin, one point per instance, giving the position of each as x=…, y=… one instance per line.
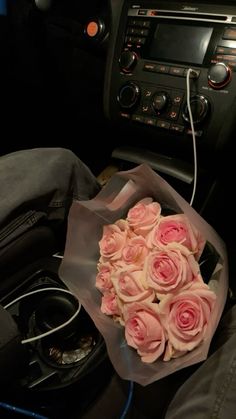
x=154, y=48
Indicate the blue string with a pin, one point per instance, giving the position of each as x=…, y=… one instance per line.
x=3, y=7
x=25, y=412
x=128, y=401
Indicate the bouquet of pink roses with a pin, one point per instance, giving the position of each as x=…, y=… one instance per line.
x=151, y=273
x=151, y=281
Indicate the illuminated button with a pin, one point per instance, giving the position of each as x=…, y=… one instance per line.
x=147, y=93
x=162, y=68
x=125, y=115
x=226, y=50
x=92, y=29
x=177, y=128
x=140, y=41
x=225, y=58
x=149, y=67
x=137, y=118
x=145, y=108
x=142, y=12
x=145, y=24
x=177, y=99
x=230, y=33
x=177, y=71
x=149, y=121
x=173, y=113
x=198, y=133
x=163, y=124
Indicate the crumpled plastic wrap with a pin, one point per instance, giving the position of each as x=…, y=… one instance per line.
x=79, y=267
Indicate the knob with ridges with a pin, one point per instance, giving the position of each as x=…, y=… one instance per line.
x=128, y=60
x=129, y=95
x=199, y=105
x=219, y=75
x=160, y=101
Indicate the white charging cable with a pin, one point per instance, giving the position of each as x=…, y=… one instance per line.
x=49, y=332
x=190, y=70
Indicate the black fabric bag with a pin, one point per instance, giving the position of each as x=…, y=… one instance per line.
x=37, y=187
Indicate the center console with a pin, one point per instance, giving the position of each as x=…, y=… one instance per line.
x=153, y=45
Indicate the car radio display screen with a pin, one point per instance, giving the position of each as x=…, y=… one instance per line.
x=180, y=43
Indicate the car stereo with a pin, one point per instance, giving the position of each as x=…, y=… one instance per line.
x=153, y=45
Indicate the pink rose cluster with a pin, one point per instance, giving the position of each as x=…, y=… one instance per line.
x=150, y=280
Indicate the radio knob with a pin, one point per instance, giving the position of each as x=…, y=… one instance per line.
x=219, y=75
x=160, y=101
x=128, y=60
x=129, y=95
x=199, y=107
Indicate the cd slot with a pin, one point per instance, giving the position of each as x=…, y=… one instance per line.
x=184, y=15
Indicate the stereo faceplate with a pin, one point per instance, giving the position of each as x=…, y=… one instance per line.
x=153, y=48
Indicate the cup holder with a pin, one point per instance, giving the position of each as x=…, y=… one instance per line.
x=61, y=357
x=54, y=310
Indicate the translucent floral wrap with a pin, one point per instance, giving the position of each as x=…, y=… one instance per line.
x=79, y=267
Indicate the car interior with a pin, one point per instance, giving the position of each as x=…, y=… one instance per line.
x=119, y=83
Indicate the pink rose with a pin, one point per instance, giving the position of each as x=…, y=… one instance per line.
x=168, y=271
x=177, y=228
x=186, y=316
x=110, y=304
x=103, y=278
x=113, y=240
x=143, y=216
x=135, y=251
x=144, y=331
x=129, y=286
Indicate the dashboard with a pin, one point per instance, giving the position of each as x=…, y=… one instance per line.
x=120, y=69
x=156, y=49
x=111, y=80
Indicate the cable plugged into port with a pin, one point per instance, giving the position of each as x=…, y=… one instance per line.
x=188, y=75
x=193, y=73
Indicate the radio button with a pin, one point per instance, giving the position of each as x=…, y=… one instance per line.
x=220, y=58
x=145, y=23
x=147, y=93
x=163, y=124
x=162, y=68
x=230, y=34
x=142, y=12
x=225, y=50
x=138, y=41
x=146, y=108
x=137, y=118
x=140, y=23
x=197, y=133
x=177, y=128
x=149, y=121
x=137, y=31
x=219, y=75
x=173, y=113
x=177, y=98
x=176, y=71
x=149, y=67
